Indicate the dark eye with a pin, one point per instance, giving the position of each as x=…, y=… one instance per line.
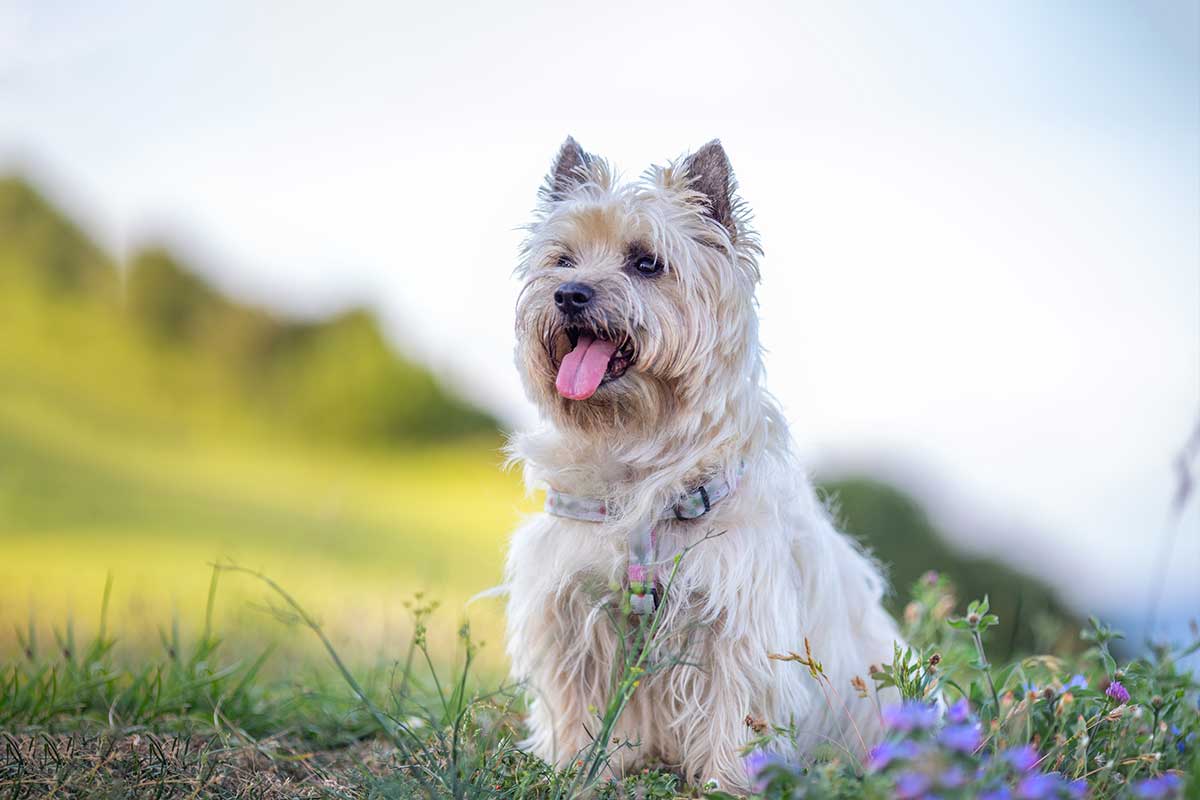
x=647, y=265
x=564, y=261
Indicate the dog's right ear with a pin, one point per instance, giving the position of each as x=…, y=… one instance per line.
x=569, y=170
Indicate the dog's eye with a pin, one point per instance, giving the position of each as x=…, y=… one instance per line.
x=564, y=262
x=647, y=265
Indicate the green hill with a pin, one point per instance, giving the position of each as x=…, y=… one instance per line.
x=336, y=379
x=41, y=247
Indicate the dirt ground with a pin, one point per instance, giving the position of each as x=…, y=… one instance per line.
x=146, y=765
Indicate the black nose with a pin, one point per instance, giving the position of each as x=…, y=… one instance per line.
x=571, y=298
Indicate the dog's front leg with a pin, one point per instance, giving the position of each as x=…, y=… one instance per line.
x=558, y=725
x=562, y=650
x=713, y=731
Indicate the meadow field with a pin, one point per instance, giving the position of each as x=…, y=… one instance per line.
x=105, y=472
x=238, y=553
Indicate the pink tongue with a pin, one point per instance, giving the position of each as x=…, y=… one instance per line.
x=583, y=368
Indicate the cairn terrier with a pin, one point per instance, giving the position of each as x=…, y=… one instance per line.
x=637, y=338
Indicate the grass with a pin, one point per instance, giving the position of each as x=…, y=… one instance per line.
x=204, y=719
x=79, y=721
x=1041, y=726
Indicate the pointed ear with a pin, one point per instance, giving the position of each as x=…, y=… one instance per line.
x=708, y=171
x=567, y=172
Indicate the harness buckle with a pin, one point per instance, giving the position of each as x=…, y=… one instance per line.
x=643, y=589
x=643, y=604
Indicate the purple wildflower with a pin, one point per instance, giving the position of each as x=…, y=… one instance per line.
x=1022, y=758
x=999, y=793
x=910, y=716
x=1117, y=692
x=963, y=738
x=1163, y=786
x=952, y=777
x=756, y=764
x=911, y=784
x=885, y=753
x=1077, y=681
x=1037, y=786
x=959, y=713
x=1077, y=789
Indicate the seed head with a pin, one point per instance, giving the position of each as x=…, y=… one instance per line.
x=756, y=725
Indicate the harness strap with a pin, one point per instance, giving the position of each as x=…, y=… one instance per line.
x=642, y=572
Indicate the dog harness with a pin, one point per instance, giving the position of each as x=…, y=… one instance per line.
x=643, y=591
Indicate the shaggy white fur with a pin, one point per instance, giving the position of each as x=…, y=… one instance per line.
x=690, y=406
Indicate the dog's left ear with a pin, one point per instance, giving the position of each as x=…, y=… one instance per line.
x=708, y=171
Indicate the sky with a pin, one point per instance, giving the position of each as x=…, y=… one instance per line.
x=981, y=221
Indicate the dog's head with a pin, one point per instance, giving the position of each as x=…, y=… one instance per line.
x=638, y=299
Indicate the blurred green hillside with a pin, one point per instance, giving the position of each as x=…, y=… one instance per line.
x=901, y=536
x=150, y=425
x=334, y=379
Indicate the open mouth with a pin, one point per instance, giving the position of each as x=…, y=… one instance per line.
x=593, y=360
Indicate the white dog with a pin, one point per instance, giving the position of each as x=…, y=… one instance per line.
x=637, y=338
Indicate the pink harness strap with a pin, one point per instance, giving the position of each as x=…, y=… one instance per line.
x=642, y=574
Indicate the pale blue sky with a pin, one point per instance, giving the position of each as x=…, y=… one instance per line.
x=983, y=254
